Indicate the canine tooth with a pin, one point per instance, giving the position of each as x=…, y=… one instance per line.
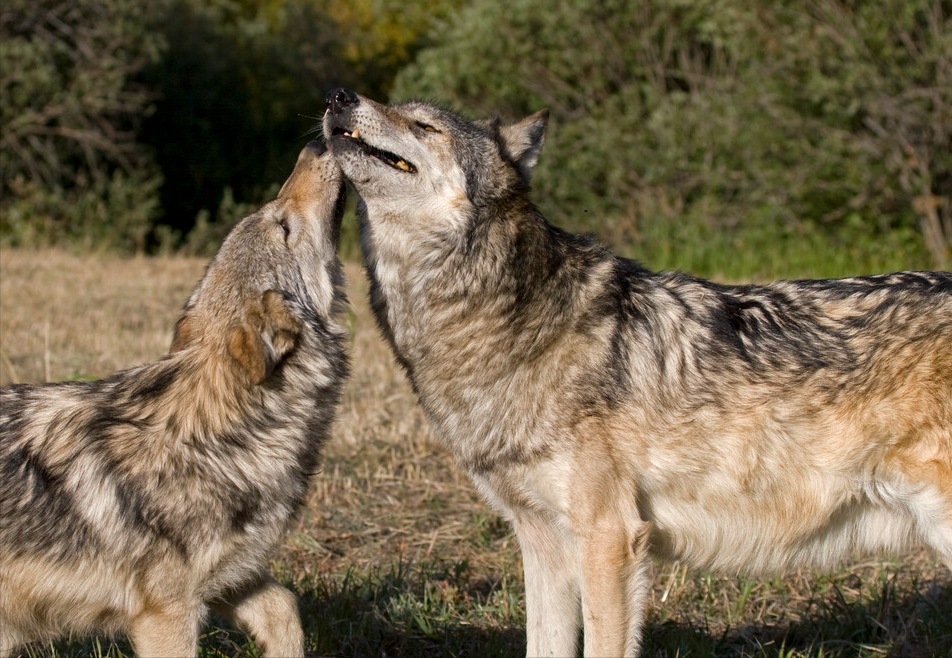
x=403, y=165
x=356, y=133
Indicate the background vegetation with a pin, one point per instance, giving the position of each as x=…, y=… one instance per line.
x=739, y=127
x=731, y=137
x=144, y=126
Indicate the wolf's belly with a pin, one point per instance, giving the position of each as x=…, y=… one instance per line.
x=773, y=535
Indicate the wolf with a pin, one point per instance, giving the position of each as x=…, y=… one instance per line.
x=136, y=503
x=612, y=413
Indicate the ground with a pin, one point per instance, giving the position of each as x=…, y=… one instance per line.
x=395, y=554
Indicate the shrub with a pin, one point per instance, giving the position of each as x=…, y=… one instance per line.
x=70, y=165
x=674, y=121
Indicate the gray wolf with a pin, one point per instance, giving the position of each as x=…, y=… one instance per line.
x=135, y=503
x=612, y=413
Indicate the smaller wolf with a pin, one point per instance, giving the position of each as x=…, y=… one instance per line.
x=614, y=414
x=133, y=504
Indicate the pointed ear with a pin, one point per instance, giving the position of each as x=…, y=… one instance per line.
x=265, y=337
x=523, y=141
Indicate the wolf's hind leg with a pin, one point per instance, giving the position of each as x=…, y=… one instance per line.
x=929, y=502
x=552, y=588
x=270, y=613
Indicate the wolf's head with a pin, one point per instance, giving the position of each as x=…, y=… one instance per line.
x=417, y=164
x=276, y=271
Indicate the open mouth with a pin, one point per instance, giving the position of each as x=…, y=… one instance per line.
x=387, y=157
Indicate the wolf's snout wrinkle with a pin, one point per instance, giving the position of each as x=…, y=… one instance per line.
x=338, y=99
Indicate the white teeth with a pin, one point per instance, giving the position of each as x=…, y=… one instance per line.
x=356, y=133
x=403, y=165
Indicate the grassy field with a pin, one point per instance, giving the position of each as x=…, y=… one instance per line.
x=395, y=555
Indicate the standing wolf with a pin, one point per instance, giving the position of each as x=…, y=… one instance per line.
x=133, y=503
x=612, y=413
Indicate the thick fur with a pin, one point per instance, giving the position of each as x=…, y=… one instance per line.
x=132, y=504
x=612, y=413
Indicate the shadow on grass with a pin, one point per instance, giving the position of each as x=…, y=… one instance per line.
x=356, y=628
x=907, y=623
x=425, y=613
x=414, y=613
x=429, y=612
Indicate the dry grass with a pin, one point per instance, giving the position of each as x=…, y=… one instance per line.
x=394, y=553
x=65, y=316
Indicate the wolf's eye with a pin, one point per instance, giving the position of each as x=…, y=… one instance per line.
x=283, y=223
x=427, y=127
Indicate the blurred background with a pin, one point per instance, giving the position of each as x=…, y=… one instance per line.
x=733, y=138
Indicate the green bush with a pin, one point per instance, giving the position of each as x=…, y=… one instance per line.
x=71, y=167
x=826, y=124
x=821, y=132
x=113, y=214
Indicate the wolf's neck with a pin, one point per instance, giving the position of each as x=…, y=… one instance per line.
x=519, y=279
x=486, y=322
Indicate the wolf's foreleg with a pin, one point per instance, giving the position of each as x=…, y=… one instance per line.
x=615, y=582
x=552, y=588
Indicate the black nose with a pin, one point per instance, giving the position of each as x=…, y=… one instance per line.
x=340, y=98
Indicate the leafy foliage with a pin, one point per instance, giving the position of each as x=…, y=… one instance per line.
x=383, y=35
x=721, y=136
x=241, y=87
x=673, y=119
x=69, y=121
x=217, y=96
